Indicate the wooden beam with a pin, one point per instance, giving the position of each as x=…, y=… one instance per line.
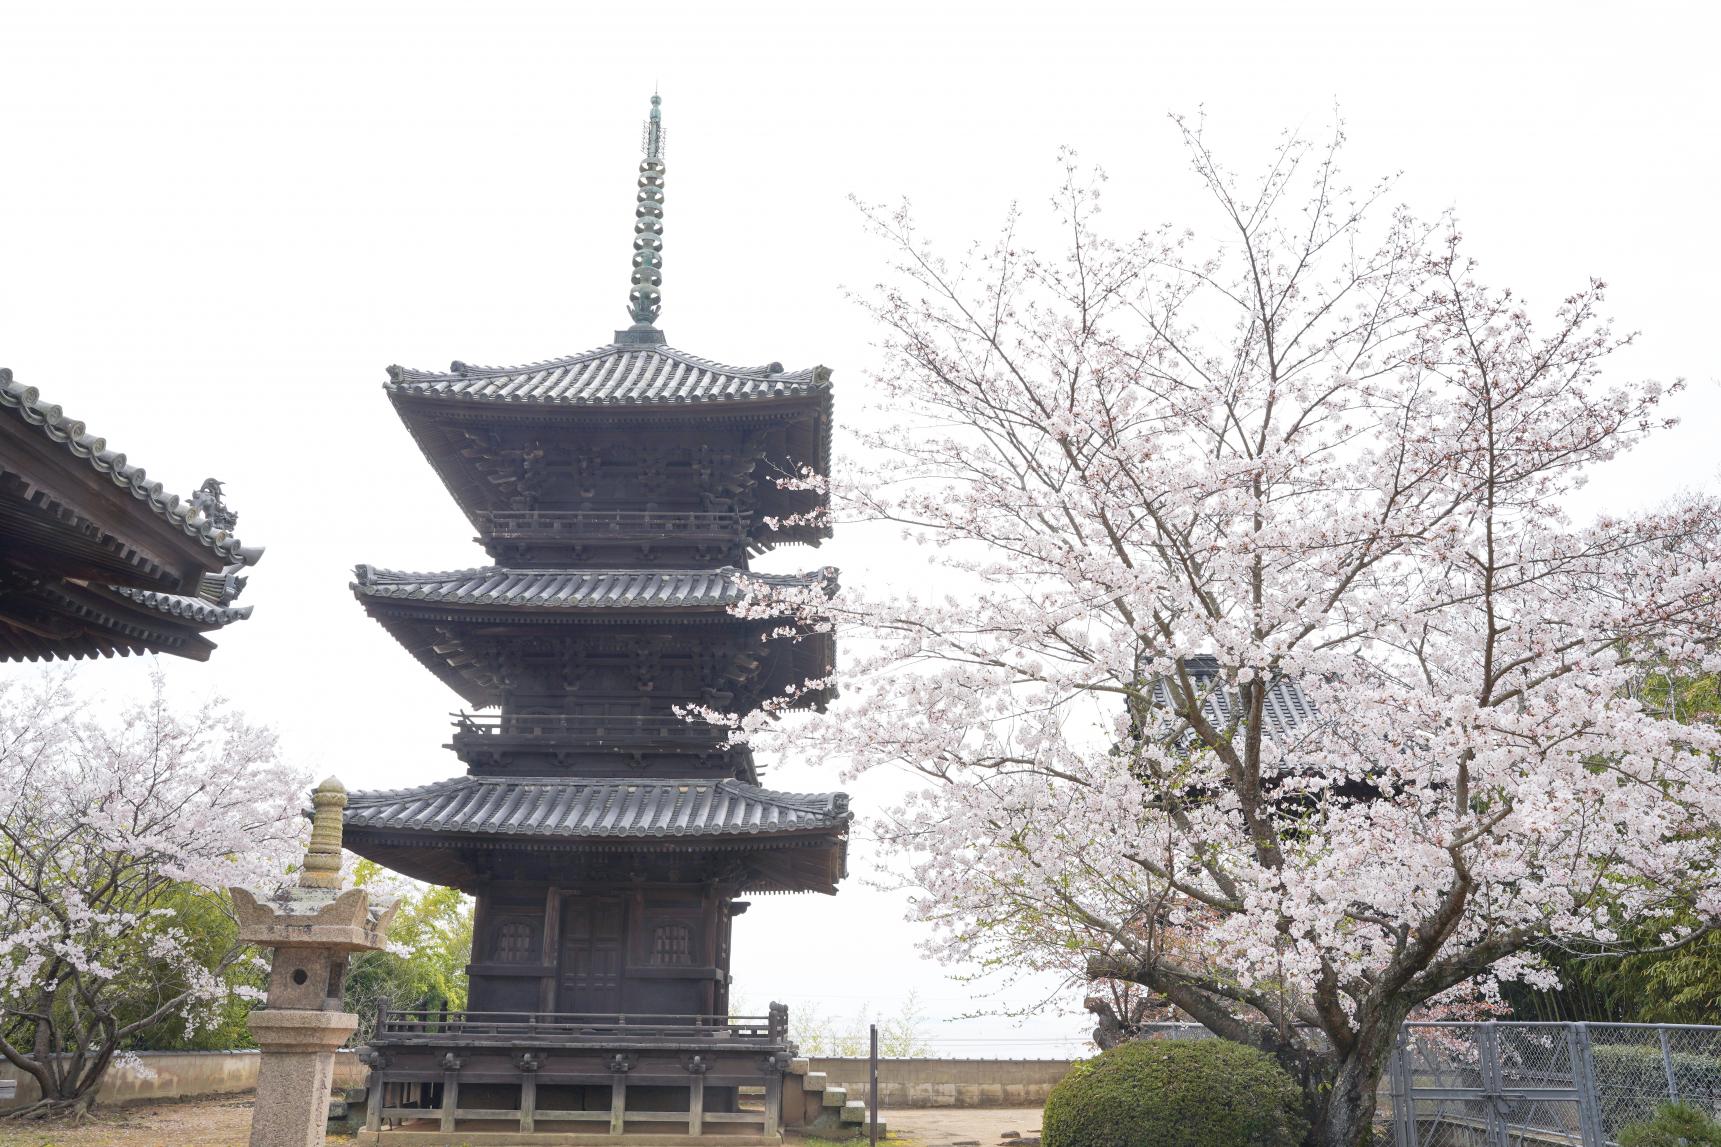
x=696, y=1106
x=528, y=1102
x=618, y=1103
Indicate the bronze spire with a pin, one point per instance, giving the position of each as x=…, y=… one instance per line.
x=646, y=297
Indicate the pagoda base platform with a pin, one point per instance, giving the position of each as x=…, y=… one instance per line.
x=508, y=1077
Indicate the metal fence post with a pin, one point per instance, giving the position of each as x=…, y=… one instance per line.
x=1667, y=1063
x=1590, y=1126
x=1403, y=1106
x=1493, y=1082
x=872, y=1090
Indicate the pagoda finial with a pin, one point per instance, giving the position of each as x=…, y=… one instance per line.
x=322, y=868
x=646, y=297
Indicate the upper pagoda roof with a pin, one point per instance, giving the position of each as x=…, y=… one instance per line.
x=619, y=374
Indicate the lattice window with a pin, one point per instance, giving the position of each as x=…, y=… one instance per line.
x=516, y=942
x=671, y=944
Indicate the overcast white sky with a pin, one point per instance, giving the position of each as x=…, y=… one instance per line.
x=220, y=222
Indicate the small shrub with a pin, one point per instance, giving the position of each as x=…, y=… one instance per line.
x=1674, y=1125
x=1176, y=1093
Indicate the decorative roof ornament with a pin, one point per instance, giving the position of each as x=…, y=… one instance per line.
x=645, y=298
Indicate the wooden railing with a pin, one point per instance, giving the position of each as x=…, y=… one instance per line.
x=619, y=525
x=630, y=730
x=576, y=1027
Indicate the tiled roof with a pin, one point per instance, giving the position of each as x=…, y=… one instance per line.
x=578, y=589
x=616, y=374
x=1285, y=710
x=192, y=609
x=25, y=402
x=597, y=808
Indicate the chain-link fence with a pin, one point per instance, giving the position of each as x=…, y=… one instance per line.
x=1523, y=1084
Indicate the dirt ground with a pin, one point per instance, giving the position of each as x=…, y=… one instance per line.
x=947, y=1126
x=226, y=1122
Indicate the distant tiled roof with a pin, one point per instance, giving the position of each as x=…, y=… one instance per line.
x=25, y=402
x=1285, y=710
x=577, y=589
x=597, y=808
x=616, y=374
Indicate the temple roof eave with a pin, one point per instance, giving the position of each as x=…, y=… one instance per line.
x=158, y=508
x=612, y=377
x=581, y=814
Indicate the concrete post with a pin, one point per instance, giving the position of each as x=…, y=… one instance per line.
x=312, y=928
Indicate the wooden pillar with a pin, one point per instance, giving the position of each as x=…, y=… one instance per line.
x=450, y=1098
x=373, y=1102
x=528, y=1103
x=618, y=1103
x=551, y=953
x=773, y=1100
x=696, y=1105
x=712, y=906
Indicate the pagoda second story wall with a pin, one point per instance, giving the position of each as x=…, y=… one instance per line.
x=677, y=490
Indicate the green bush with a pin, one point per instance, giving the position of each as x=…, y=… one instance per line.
x=1176, y=1093
x=1695, y=1074
x=1674, y=1125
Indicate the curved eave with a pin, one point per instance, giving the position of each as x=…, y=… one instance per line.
x=445, y=857
x=413, y=621
x=90, y=474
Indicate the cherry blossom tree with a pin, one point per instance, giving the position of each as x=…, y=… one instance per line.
x=111, y=834
x=1263, y=667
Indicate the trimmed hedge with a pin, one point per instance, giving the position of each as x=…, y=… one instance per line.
x=1637, y=1067
x=1176, y=1093
x=1674, y=1125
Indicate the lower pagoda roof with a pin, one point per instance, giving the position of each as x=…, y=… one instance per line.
x=584, y=808
x=404, y=828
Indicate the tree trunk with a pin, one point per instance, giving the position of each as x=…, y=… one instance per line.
x=72, y=1107
x=1343, y=1113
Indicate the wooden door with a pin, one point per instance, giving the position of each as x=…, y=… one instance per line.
x=594, y=943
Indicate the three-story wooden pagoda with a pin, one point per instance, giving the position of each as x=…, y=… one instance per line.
x=606, y=837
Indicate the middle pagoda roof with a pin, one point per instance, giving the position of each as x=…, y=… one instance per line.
x=432, y=613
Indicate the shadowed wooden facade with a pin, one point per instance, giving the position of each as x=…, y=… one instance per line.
x=609, y=840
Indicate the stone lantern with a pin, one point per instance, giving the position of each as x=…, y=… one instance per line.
x=313, y=929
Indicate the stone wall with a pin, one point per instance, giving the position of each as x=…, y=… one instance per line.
x=949, y=1082
x=174, y=1074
